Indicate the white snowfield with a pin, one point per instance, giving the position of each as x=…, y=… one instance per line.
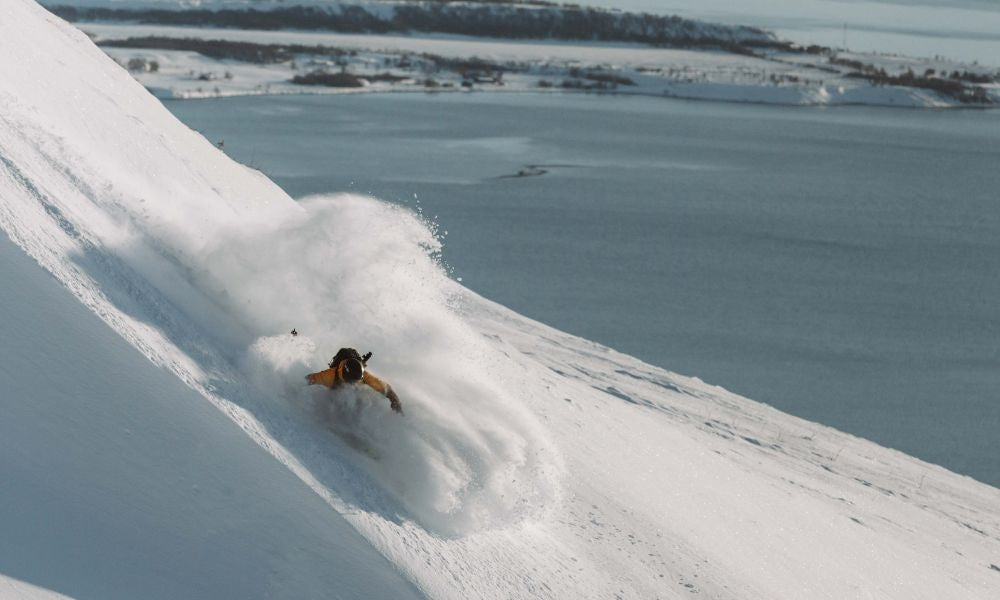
x=529, y=463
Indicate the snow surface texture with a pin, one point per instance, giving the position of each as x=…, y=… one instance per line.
x=119, y=481
x=12, y=588
x=529, y=463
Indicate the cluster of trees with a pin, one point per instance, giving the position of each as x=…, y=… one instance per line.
x=339, y=79
x=588, y=80
x=345, y=79
x=474, y=69
x=141, y=64
x=953, y=86
x=224, y=49
x=471, y=68
x=578, y=84
x=969, y=76
x=491, y=19
x=612, y=79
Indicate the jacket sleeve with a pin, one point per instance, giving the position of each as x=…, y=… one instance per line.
x=327, y=378
x=383, y=388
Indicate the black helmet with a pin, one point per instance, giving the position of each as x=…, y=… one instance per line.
x=353, y=370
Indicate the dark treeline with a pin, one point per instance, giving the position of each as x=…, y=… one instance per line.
x=343, y=79
x=943, y=83
x=948, y=87
x=224, y=49
x=488, y=20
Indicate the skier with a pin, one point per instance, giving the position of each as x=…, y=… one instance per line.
x=348, y=366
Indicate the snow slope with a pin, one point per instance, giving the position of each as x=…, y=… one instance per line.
x=530, y=463
x=119, y=481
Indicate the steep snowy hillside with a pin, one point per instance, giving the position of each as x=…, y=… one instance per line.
x=529, y=463
x=119, y=481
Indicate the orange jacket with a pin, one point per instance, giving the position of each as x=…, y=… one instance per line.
x=334, y=377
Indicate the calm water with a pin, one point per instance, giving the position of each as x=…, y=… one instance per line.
x=840, y=264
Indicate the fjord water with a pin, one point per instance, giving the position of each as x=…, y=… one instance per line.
x=840, y=264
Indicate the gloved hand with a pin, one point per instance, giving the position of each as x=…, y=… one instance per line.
x=394, y=401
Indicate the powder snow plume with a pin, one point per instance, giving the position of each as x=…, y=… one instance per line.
x=205, y=265
x=467, y=455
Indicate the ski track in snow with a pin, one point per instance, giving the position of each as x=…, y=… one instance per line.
x=530, y=463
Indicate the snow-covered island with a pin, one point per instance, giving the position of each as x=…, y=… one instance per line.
x=204, y=49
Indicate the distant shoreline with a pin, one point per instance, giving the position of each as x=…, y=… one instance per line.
x=677, y=98
x=196, y=62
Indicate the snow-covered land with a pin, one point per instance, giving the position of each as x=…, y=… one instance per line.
x=965, y=30
x=422, y=64
x=707, y=61
x=174, y=451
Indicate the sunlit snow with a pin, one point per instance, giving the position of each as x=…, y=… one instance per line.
x=529, y=463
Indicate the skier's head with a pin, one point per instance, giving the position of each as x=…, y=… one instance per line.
x=352, y=370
